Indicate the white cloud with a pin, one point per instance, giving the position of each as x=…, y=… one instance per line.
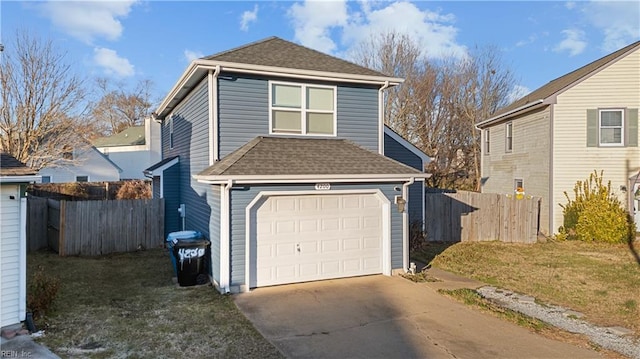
x=570, y=5
x=517, y=92
x=618, y=20
x=112, y=63
x=573, y=42
x=248, y=17
x=87, y=20
x=191, y=55
x=314, y=22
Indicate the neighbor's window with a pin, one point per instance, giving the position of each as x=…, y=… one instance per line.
x=303, y=109
x=509, y=137
x=611, y=127
x=518, y=184
x=82, y=178
x=487, y=141
x=46, y=179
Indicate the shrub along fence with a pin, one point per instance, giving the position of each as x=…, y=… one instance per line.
x=469, y=216
x=92, y=228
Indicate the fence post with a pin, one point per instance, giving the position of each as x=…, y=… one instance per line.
x=61, y=232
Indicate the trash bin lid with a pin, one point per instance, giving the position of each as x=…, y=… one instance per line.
x=174, y=236
x=199, y=243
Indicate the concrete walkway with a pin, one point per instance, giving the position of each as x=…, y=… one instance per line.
x=23, y=346
x=388, y=317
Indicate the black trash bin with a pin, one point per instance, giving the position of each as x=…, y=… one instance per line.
x=191, y=261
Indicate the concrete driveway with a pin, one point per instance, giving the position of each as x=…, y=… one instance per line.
x=386, y=317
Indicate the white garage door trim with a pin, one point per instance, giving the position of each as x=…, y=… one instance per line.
x=14, y=263
x=253, y=206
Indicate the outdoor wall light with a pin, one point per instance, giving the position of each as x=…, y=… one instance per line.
x=401, y=202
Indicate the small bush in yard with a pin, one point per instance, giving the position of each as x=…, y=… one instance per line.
x=134, y=190
x=595, y=214
x=42, y=290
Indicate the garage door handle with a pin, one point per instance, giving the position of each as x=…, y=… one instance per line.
x=298, y=247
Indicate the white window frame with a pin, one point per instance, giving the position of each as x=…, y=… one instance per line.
x=622, y=127
x=170, y=131
x=487, y=141
x=508, y=137
x=303, y=109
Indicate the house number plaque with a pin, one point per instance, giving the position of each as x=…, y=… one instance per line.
x=323, y=186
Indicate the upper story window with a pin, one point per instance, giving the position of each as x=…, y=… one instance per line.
x=82, y=178
x=508, y=140
x=487, y=141
x=170, y=131
x=302, y=109
x=611, y=125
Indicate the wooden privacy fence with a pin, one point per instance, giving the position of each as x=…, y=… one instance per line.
x=470, y=216
x=92, y=228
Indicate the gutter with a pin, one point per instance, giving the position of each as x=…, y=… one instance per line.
x=225, y=251
x=21, y=179
x=213, y=115
x=310, y=179
x=381, y=117
x=509, y=113
x=405, y=223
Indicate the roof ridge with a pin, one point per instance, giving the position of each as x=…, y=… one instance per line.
x=266, y=39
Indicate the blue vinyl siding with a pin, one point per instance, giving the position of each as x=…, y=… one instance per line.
x=191, y=144
x=214, y=230
x=171, y=183
x=240, y=199
x=398, y=152
x=243, y=111
x=358, y=115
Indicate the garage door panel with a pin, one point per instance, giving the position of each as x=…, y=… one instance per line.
x=313, y=237
x=308, y=225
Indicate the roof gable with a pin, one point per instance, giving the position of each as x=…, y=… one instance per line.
x=558, y=85
x=276, y=52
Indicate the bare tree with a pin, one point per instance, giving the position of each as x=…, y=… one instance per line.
x=437, y=106
x=42, y=102
x=119, y=108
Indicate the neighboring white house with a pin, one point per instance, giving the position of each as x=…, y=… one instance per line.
x=133, y=149
x=88, y=165
x=560, y=133
x=14, y=176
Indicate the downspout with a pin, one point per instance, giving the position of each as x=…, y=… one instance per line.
x=381, y=117
x=225, y=254
x=405, y=224
x=213, y=115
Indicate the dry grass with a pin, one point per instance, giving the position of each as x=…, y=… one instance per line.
x=126, y=306
x=600, y=280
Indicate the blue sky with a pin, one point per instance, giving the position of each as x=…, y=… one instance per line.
x=132, y=40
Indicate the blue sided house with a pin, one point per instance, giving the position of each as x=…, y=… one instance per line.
x=279, y=155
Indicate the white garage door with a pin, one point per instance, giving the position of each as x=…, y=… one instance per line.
x=314, y=237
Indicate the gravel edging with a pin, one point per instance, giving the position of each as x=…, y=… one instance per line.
x=609, y=338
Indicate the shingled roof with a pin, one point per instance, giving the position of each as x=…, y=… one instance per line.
x=10, y=166
x=555, y=86
x=276, y=52
x=266, y=157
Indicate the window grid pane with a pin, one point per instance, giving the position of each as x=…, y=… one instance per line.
x=320, y=123
x=287, y=121
x=611, y=127
x=319, y=99
x=287, y=96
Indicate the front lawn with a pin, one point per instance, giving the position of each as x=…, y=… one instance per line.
x=602, y=281
x=126, y=305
